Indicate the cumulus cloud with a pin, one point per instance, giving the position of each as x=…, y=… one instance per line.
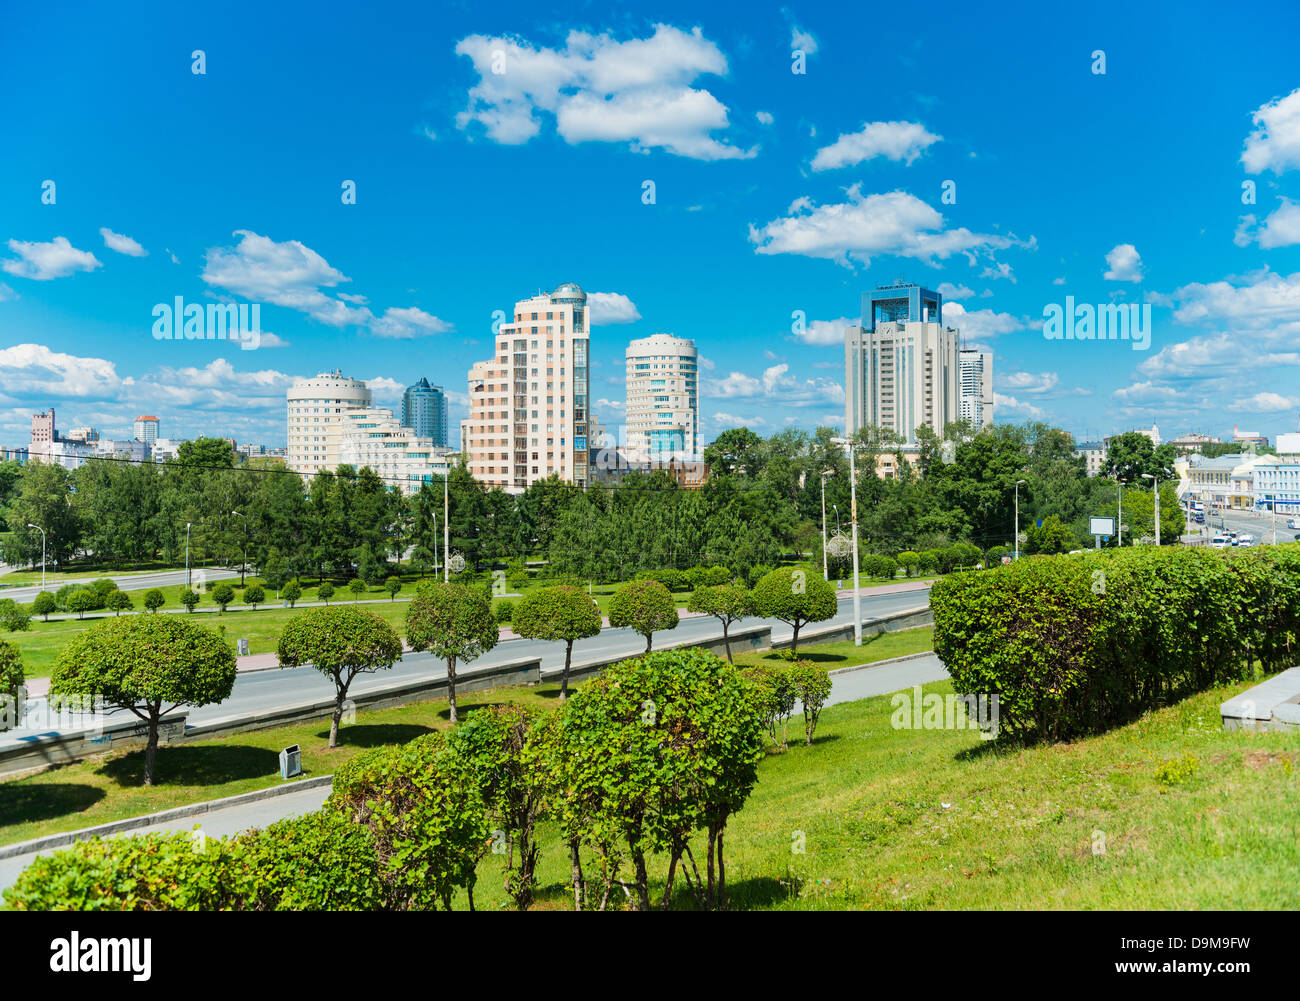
x=1282, y=228
x=1146, y=392
x=825, y=333
x=407, y=323
x=1011, y=405
x=764, y=117
x=1266, y=403
x=122, y=244
x=950, y=291
x=608, y=308
x=1125, y=264
x=6, y=293
x=731, y=420
x=802, y=41
x=1275, y=143
x=897, y=141
x=776, y=383
x=1034, y=383
x=37, y=370
x=43, y=261
x=1267, y=304
x=896, y=223
x=598, y=89
x=981, y=323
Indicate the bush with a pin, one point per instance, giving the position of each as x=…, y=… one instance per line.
x=13, y=616
x=223, y=594
x=964, y=556
x=796, y=596
x=882, y=567
x=291, y=592
x=154, y=599
x=927, y=563
x=103, y=586
x=254, y=595
x=11, y=671
x=994, y=556
x=325, y=592
x=502, y=610
x=645, y=606
x=812, y=687
x=189, y=599
x=909, y=562
x=43, y=604
x=119, y=602
x=1078, y=644
x=81, y=601
x=393, y=585
x=357, y=586
x=775, y=696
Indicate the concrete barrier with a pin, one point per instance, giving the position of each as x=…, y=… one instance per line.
x=910, y=619
x=38, y=752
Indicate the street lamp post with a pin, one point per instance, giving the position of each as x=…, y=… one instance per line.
x=446, y=528
x=187, y=555
x=1155, y=489
x=1119, y=521
x=42, y=531
x=825, y=473
x=853, y=519
x=244, y=564
x=1017, y=524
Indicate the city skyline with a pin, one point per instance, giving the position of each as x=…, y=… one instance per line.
x=775, y=200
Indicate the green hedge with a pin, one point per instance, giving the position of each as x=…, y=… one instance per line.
x=1076, y=644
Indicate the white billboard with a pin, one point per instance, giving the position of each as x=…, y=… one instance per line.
x=1101, y=526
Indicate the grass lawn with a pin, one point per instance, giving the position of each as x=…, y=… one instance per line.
x=26, y=578
x=844, y=654
x=868, y=817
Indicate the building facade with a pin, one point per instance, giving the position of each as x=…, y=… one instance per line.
x=316, y=419
x=1277, y=484
x=1224, y=482
x=146, y=429
x=901, y=366
x=1093, y=454
x=1193, y=441
x=374, y=437
x=424, y=411
x=975, y=374
x=663, y=419
x=529, y=405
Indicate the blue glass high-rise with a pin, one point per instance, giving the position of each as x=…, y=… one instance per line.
x=424, y=410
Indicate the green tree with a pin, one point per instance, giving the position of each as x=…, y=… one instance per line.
x=645, y=606
x=357, y=586
x=1131, y=455
x=14, y=617
x=291, y=592
x=812, y=687
x=340, y=643
x=11, y=679
x=254, y=595
x=223, y=594
x=393, y=586
x=119, y=602
x=43, y=605
x=561, y=613
x=189, y=599
x=81, y=601
x=454, y=623
x=325, y=591
x=727, y=603
x=1049, y=537
x=796, y=596
x=154, y=599
x=148, y=665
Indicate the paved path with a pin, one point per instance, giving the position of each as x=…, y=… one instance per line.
x=848, y=686
x=133, y=582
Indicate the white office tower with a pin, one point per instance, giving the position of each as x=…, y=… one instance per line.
x=374, y=437
x=976, y=384
x=662, y=398
x=316, y=419
x=529, y=405
x=900, y=366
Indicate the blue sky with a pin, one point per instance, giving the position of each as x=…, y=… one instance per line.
x=775, y=193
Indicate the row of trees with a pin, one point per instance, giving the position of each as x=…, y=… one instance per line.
x=763, y=499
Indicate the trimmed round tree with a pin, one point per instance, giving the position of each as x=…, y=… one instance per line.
x=454, y=623
x=727, y=603
x=393, y=585
x=645, y=606
x=796, y=596
x=154, y=599
x=148, y=665
x=357, y=586
x=43, y=605
x=82, y=601
x=11, y=679
x=325, y=592
x=189, y=599
x=563, y=614
x=291, y=592
x=223, y=594
x=119, y=602
x=340, y=643
x=254, y=595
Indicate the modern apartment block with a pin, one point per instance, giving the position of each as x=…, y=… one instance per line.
x=901, y=365
x=529, y=404
x=374, y=437
x=975, y=373
x=663, y=397
x=424, y=411
x=316, y=419
x=146, y=429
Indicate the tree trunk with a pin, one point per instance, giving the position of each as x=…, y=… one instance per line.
x=451, y=686
x=564, y=678
x=649, y=639
x=712, y=895
x=672, y=871
x=794, y=640
x=151, y=748
x=642, y=881
x=722, y=874
x=577, y=875
x=726, y=641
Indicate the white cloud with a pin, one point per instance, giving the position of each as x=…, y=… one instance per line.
x=999, y=270
x=608, y=308
x=898, y=141
x=407, y=323
x=6, y=293
x=1005, y=404
x=1058, y=281
x=1145, y=393
x=1125, y=264
x=950, y=291
x=1275, y=143
x=731, y=420
x=36, y=370
x=981, y=323
x=1191, y=359
x=598, y=89
x=802, y=41
x=1282, y=228
x=1268, y=304
x=825, y=333
x=43, y=261
x=1267, y=403
x=122, y=244
x=1034, y=383
x=896, y=223
x=764, y=117
x=778, y=385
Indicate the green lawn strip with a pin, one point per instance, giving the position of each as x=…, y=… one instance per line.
x=844, y=654
x=109, y=787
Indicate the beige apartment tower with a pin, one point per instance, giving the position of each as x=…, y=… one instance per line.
x=316, y=419
x=662, y=398
x=529, y=410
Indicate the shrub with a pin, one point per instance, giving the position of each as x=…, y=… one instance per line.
x=154, y=599
x=882, y=567
x=393, y=585
x=644, y=606
x=119, y=602
x=223, y=594
x=291, y=592
x=774, y=693
x=909, y=562
x=13, y=616
x=1071, y=646
x=43, y=605
x=357, y=586
x=502, y=610
x=994, y=556
x=964, y=555
x=796, y=596
x=812, y=687
x=325, y=592
x=103, y=586
x=189, y=599
x=81, y=601
x=516, y=574
x=254, y=595
x=11, y=670
x=558, y=614
x=927, y=563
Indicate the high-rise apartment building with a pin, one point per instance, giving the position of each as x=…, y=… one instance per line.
x=316, y=419
x=975, y=375
x=146, y=429
x=374, y=437
x=424, y=411
x=662, y=397
x=529, y=405
x=900, y=365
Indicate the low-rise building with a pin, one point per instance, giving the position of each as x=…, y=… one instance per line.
x=1226, y=482
x=1191, y=442
x=1093, y=454
x=375, y=437
x=1277, y=484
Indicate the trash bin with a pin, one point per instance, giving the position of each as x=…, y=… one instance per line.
x=290, y=762
x=243, y=647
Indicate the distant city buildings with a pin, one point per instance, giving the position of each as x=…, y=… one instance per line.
x=146, y=429
x=662, y=416
x=316, y=419
x=1153, y=433
x=1225, y=482
x=1093, y=454
x=424, y=411
x=1277, y=482
x=374, y=437
x=975, y=380
x=1193, y=442
x=901, y=365
x=1249, y=437
x=529, y=409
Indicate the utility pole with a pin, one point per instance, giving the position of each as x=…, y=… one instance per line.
x=1119, y=521
x=1017, y=525
x=446, y=527
x=1155, y=489
x=187, y=556
x=42, y=531
x=853, y=507
x=825, y=574
x=243, y=565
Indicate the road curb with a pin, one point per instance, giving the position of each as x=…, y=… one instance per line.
x=883, y=663
x=148, y=820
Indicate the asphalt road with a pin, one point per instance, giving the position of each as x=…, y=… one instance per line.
x=845, y=687
x=263, y=690
x=133, y=582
